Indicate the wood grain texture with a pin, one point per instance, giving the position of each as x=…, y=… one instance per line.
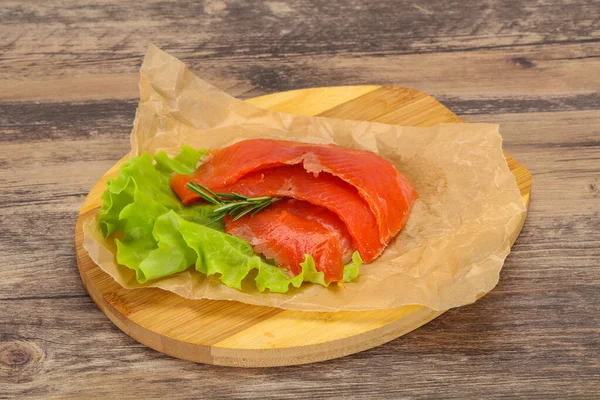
x=68, y=74
x=236, y=334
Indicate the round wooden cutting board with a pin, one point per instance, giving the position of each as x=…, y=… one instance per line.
x=236, y=334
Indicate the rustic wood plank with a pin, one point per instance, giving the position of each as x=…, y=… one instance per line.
x=430, y=47
x=220, y=29
x=495, y=74
x=486, y=346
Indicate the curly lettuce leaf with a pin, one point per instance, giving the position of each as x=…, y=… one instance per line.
x=352, y=269
x=157, y=236
x=185, y=162
x=139, y=172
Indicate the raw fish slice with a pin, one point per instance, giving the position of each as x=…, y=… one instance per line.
x=388, y=193
x=326, y=218
x=286, y=238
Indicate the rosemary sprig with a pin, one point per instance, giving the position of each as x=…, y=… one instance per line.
x=233, y=204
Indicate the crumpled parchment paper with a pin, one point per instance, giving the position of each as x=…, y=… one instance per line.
x=450, y=251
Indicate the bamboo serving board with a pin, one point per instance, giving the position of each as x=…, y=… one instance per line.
x=236, y=334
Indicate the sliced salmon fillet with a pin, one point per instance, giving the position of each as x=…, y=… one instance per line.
x=328, y=219
x=280, y=234
x=323, y=190
x=389, y=194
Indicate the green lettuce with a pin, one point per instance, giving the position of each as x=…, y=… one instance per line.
x=157, y=236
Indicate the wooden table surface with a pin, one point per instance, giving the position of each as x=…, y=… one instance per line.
x=68, y=92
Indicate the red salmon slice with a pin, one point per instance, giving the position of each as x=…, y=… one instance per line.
x=387, y=192
x=280, y=234
x=328, y=219
x=324, y=190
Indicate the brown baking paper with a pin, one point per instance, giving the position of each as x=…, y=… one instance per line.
x=449, y=253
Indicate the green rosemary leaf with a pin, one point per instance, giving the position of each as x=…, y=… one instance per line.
x=243, y=212
x=230, y=206
x=204, y=194
x=232, y=196
x=260, y=199
x=206, y=189
x=233, y=204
